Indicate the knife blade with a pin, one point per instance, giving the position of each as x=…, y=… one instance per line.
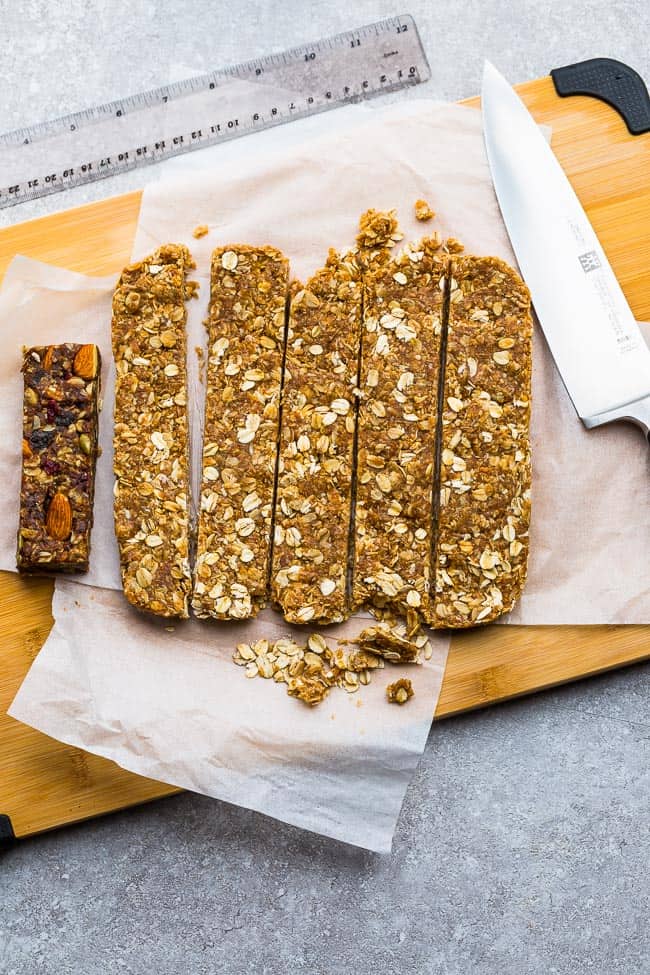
x=596, y=343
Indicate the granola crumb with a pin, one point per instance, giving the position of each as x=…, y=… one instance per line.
x=389, y=643
x=201, y=230
x=378, y=232
x=310, y=670
x=400, y=691
x=310, y=691
x=423, y=211
x=453, y=246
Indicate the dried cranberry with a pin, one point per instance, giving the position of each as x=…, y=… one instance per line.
x=51, y=466
x=51, y=410
x=41, y=438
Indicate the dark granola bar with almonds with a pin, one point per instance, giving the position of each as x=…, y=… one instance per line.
x=59, y=450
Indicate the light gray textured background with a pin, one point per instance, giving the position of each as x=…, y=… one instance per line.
x=523, y=845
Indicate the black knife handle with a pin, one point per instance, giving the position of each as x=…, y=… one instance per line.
x=7, y=835
x=611, y=81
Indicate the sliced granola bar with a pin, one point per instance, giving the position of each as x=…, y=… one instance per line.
x=151, y=461
x=403, y=303
x=482, y=536
x=246, y=327
x=312, y=515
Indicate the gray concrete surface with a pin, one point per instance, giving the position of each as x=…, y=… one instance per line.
x=523, y=845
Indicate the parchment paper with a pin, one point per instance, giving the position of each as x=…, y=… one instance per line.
x=171, y=705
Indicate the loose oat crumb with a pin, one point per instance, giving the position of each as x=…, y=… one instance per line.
x=423, y=211
x=400, y=691
x=200, y=358
x=378, y=229
x=378, y=232
x=453, y=246
x=310, y=691
x=388, y=643
x=201, y=230
x=309, y=670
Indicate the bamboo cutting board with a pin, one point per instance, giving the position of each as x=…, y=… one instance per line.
x=43, y=783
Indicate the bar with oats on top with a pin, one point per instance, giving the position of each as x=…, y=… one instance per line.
x=402, y=323
x=485, y=476
x=314, y=493
x=246, y=332
x=151, y=457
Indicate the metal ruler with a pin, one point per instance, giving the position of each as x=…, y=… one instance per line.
x=231, y=102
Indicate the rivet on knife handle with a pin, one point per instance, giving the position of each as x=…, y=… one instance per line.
x=611, y=81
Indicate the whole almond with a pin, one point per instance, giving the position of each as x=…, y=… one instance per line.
x=59, y=518
x=47, y=358
x=27, y=450
x=86, y=362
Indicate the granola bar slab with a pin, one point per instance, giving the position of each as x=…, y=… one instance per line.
x=151, y=459
x=314, y=495
x=60, y=429
x=403, y=305
x=246, y=332
x=482, y=533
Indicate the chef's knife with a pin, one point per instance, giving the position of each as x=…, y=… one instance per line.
x=589, y=326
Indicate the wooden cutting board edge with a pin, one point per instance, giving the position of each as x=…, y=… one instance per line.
x=52, y=784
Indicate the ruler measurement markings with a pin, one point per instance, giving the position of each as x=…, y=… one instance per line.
x=132, y=102
x=263, y=107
